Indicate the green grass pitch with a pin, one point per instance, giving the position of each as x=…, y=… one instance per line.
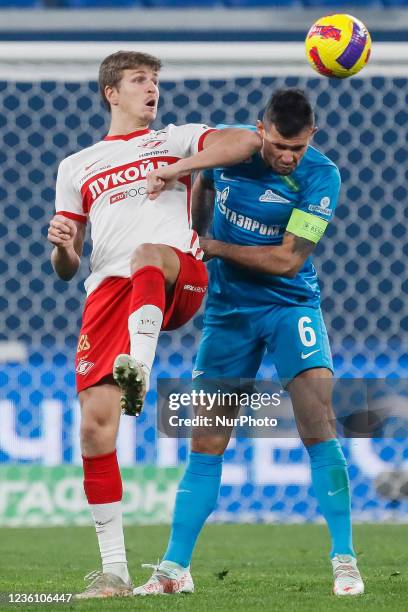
x=236, y=567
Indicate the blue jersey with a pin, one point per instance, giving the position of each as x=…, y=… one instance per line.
x=253, y=205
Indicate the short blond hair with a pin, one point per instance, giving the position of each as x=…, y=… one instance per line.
x=112, y=67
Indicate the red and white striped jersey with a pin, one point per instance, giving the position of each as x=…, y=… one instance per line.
x=106, y=183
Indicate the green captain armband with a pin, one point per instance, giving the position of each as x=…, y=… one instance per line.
x=305, y=225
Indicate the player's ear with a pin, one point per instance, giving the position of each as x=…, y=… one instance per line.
x=111, y=94
x=314, y=130
x=260, y=128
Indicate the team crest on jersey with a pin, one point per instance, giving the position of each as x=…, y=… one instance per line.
x=222, y=196
x=152, y=144
x=83, y=367
x=271, y=196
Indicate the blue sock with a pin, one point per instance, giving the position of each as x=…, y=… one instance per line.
x=195, y=500
x=331, y=485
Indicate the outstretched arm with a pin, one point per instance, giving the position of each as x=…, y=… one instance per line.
x=221, y=148
x=68, y=237
x=202, y=207
x=285, y=259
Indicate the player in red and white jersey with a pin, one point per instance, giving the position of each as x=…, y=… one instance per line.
x=146, y=270
x=106, y=183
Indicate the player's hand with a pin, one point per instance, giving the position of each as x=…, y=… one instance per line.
x=163, y=178
x=62, y=232
x=206, y=244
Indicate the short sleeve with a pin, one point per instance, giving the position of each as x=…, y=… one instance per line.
x=310, y=218
x=322, y=193
x=68, y=200
x=191, y=137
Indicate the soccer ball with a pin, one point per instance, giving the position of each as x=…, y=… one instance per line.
x=338, y=46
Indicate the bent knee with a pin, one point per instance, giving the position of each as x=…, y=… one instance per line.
x=99, y=422
x=97, y=437
x=146, y=254
x=90, y=432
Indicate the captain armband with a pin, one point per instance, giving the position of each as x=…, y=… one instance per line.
x=307, y=226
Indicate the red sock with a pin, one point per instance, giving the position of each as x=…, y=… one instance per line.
x=148, y=288
x=102, y=479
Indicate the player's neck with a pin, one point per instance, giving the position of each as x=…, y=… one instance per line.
x=121, y=126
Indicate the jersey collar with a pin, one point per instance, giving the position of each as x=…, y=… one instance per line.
x=128, y=136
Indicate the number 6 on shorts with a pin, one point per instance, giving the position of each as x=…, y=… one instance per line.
x=306, y=333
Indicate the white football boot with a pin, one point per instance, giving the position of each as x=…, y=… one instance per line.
x=132, y=380
x=168, y=578
x=103, y=585
x=347, y=578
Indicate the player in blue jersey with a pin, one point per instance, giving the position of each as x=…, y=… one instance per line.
x=270, y=212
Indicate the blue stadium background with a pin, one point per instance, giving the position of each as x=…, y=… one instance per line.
x=361, y=261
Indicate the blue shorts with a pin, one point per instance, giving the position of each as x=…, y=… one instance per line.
x=234, y=341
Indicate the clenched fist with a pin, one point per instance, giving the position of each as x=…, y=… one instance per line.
x=62, y=232
x=163, y=178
